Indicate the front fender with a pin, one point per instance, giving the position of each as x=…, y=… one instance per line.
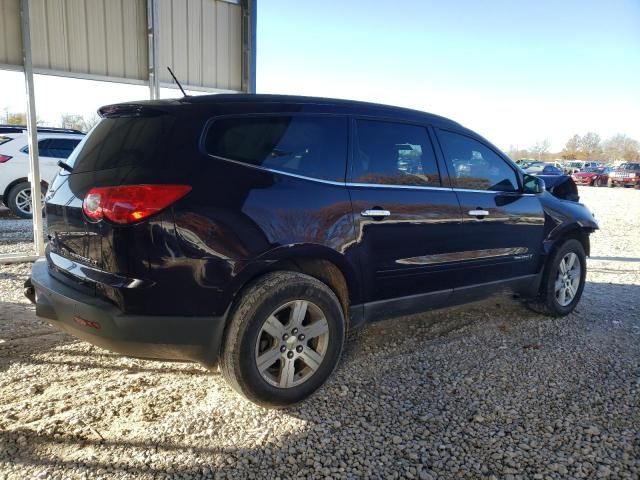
x=563, y=217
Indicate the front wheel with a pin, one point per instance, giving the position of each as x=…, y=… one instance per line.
x=564, y=279
x=284, y=339
x=597, y=182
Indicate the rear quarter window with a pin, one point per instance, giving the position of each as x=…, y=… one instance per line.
x=4, y=139
x=307, y=145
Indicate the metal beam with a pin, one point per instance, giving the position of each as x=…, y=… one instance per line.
x=249, y=33
x=32, y=132
x=153, y=49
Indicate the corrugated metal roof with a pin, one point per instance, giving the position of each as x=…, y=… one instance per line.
x=201, y=41
x=10, y=33
x=107, y=39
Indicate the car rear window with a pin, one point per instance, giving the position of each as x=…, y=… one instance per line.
x=124, y=141
x=312, y=146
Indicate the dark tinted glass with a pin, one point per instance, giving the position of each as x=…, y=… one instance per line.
x=120, y=142
x=43, y=149
x=475, y=166
x=313, y=146
x=394, y=154
x=4, y=139
x=60, y=147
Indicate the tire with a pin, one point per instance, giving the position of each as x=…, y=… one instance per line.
x=597, y=182
x=278, y=296
x=551, y=302
x=610, y=183
x=16, y=199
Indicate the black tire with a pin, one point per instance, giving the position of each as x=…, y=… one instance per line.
x=597, y=182
x=14, y=202
x=257, y=303
x=610, y=183
x=548, y=303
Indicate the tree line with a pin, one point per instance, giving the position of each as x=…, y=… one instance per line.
x=618, y=148
x=67, y=120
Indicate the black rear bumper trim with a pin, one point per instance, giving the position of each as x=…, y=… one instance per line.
x=101, y=323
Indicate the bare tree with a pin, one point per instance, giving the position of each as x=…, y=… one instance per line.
x=590, y=147
x=621, y=147
x=571, y=149
x=541, y=148
x=78, y=122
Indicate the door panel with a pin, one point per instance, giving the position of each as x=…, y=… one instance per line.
x=421, y=223
x=503, y=228
x=507, y=242
x=394, y=170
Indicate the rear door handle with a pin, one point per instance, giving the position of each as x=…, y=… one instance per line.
x=375, y=212
x=478, y=212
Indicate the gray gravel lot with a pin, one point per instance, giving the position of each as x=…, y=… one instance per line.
x=487, y=391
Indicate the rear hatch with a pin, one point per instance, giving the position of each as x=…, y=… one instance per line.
x=132, y=145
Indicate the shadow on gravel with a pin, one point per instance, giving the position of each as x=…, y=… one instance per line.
x=30, y=450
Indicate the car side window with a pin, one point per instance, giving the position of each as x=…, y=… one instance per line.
x=61, y=147
x=391, y=153
x=310, y=145
x=55, y=147
x=475, y=166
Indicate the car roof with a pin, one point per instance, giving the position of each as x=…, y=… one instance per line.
x=22, y=128
x=43, y=135
x=314, y=103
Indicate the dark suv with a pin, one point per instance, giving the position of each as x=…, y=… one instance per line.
x=255, y=231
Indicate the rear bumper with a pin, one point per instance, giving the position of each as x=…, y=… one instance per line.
x=101, y=323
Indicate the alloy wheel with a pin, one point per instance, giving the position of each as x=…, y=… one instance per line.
x=292, y=344
x=567, y=279
x=23, y=200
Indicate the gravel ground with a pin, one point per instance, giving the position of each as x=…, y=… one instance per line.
x=485, y=391
x=16, y=234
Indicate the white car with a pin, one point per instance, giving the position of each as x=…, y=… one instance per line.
x=54, y=144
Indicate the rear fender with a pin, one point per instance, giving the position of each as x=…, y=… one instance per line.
x=289, y=256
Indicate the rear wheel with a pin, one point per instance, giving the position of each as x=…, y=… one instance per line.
x=284, y=339
x=564, y=278
x=19, y=199
x=597, y=182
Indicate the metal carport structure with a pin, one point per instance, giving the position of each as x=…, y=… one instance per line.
x=209, y=44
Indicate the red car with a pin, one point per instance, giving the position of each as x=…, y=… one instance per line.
x=596, y=177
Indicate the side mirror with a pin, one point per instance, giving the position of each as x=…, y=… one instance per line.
x=532, y=184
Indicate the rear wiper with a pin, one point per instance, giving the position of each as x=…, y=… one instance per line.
x=65, y=166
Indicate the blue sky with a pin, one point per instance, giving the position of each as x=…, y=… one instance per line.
x=516, y=72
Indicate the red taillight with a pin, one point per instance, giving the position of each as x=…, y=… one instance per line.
x=5, y=158
x=130, y=203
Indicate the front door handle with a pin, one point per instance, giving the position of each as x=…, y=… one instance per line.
x=478, y=212
x=375, y=212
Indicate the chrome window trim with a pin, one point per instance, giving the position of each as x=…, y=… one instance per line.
x=356, y=184
x=402, y=187
x=273, y=170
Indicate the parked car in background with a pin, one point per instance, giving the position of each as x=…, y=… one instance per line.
x=286, y=223
x=596, y=177
x=626, y=175
x=573, y=166
x=542, y=168
x=54, y=144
